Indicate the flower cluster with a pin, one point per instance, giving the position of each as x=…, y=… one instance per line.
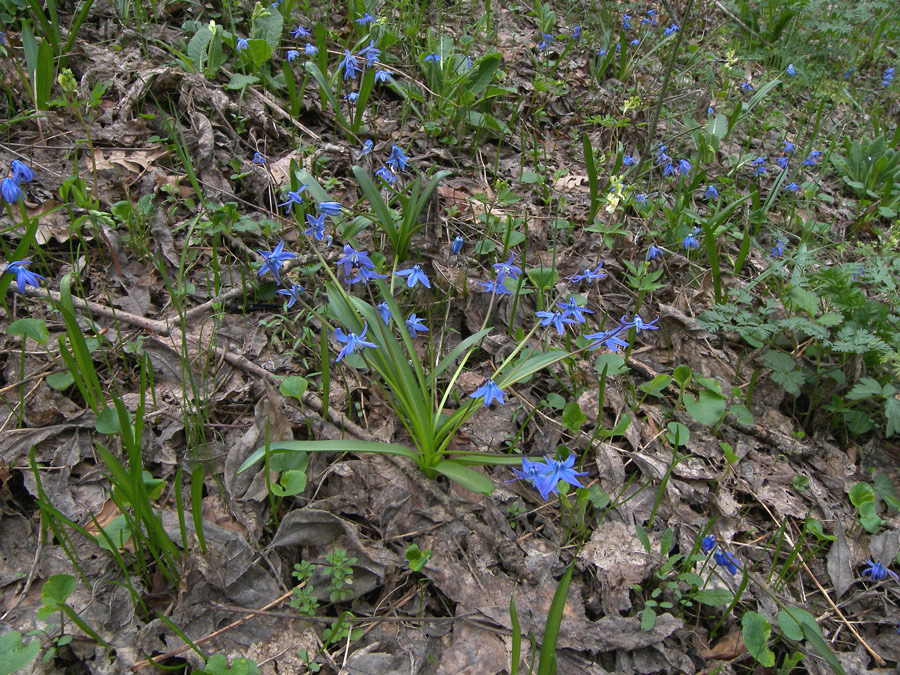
x=722, y=557
x=9, y=186
x=887, y=77
x=546, y=475
x=876, y=571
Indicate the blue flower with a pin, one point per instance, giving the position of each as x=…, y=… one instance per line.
x=432, y=58
x=746, y=86
x=352, y=342
x=711, y=192
x=782, y=162
x=690, y=242
x=330, y=208
x=708, y=543
x=384, y=312
x=887, y=77
x=353, y=258
x=258, y=158
x=496, y=287
x=293, y=294
x=849, y=72
x=561, y=470
x=10, y=190
x=366, y=18
x=878, y=572
x=22, y=173
x=299, y=32
x=507, y=269
x=364, y=275
x=24, y=277
x=384, y=173
x=397, y=160
x=316, y=226
x=557, y=319
x=366, y=148
x=654, y=252
x=710, y=112
x=273, y=260
x=414, y=325
x=635, y=42
x=576, y=32
x=671, y=30
x=813, y=158
x=382, y=76
x=610, y=339
x=456, y=245
x=2, y=38
x=372, y=53
x=350, y=65
x=788, y=147
x=353, y=97
x=534, y=473
x=639, y=325
x=684, y=167
x=640, y=198
x=626, y=25
x=669, y=169
x=778, y=249
x=726, y=560
x=790, y=70
x=311, y=50
x=759, y=166
x=589, y=274
x=293, y=198
x=416, y=275
x=574, y=310
x=292, y=54
x=242, y=44
x=792, y=187
x=628, y=160
x=490, y=391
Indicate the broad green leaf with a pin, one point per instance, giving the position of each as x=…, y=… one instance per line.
x=14, y=655
x=868, y=517
x=239, y=81
x=713, y=597
x=883, y=487
x=678, y=434
x=656, y=386
x=892, y=413
x=29, y=328
x=572, y=417
x=259, y=51
x=708, y=408
x=60, y=381
x=861, y=493
x=614, y=364
x=756, y=630
x=289, y=483
x=330, y=446
x=57, y=589
x=108, y=422
x=118, y=531
x=481, y=75
x=814, y=636
x=682, y=375
x=268, y=27
x=644, y=539
x=468, y=478
x=742, y=414
x=867, y=387
x=648, y=619
x=294, y=386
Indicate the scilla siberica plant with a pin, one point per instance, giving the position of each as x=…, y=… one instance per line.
x=377, y=334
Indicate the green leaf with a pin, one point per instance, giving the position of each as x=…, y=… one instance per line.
x=648, y=619
x=468, y=478
x=524, y=369
x=804, y=299
x=29, y=328
x=868, y=517
x=708, y=409
x=108, y=422
x=330, y=446
x=258, y=51
x=14, y=655
x=60, y=381
x=547, y=664
x=118, y=531
x=614, y=364
x=268, y=27
x=861, y=493
x=543, y=278
x=678, y=434
x=883, y=487
x=294, y=386
x=788, y=622
x=289, y=483
x=682, y=375
x=483, y=73
x=572, y=417
x=656, y=386
x=239, y=81
x=756, y=630
x=779, y=361
x=57, y=589
x=814, y=635
x=644, y=539
x=892, y=413
x=713, y=597
x=867, y=387
x=742, y=414
x=198, y=45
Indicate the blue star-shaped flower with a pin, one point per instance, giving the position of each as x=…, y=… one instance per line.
x=556, y=319
x=490, y=391
x=560, y=470
x=10, y=191
x=258, y=158
x=300, y=32
x=292, y=54
x=415, y=326
x=708, y=543
x=589, y=274
x=611, y=339
x=639, y=325
x=397, y=160
x=311, y=50
x=878, y=572
x=384, y=312
x=573, y=310
x=792, y=187
x=691, y=243
x=349, y=65
x=352, y=342
x=432, y=58
x=415, y=275
x=273, y=260
x=384, y=173
x=316, y=226
x=24, y=276
x=22, y=173
x=293, y=294
x=494, y=287
x=456, y=245
x=654, y=252
x=353, y=258
x=293, y=198
x=382, y=76
x=365, y=18
x=364, y=276
x=371, y=53
x=535, y=473
x=507, y=269
x=778, y=248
